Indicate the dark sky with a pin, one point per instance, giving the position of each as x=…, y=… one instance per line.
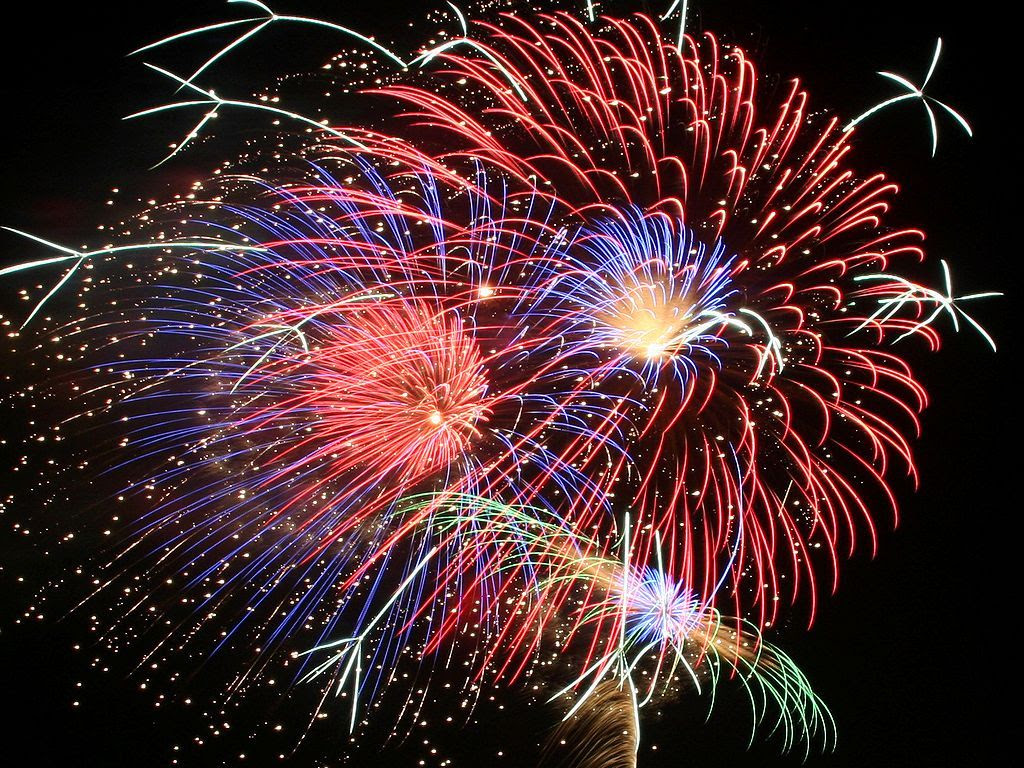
x=914, y=655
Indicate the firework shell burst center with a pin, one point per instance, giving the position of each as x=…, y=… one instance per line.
x=576, y=361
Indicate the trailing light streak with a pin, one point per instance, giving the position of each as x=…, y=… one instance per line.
x=261, y=23
x=350, y=649
x=919, y=297
x=215, y=102
x=682, y=5
x=81, y=257
x=917, y=92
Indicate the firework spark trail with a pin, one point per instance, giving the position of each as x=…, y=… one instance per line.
x=917, y=92
x=897, y=292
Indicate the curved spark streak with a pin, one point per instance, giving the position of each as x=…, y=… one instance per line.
x=917, y=92
x=918, y=296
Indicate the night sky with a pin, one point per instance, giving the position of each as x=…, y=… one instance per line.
x=913, y=655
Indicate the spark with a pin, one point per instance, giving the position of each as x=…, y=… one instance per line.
x=917, y=92
x=921, y=296
x=261, y=23
x=215, y=103
x=682, y=5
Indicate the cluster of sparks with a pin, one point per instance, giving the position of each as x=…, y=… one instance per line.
x=584, y=354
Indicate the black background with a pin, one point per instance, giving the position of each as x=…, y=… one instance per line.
x=916, y=654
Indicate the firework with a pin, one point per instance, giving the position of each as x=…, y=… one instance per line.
x=703, y=275
x=575, y=360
